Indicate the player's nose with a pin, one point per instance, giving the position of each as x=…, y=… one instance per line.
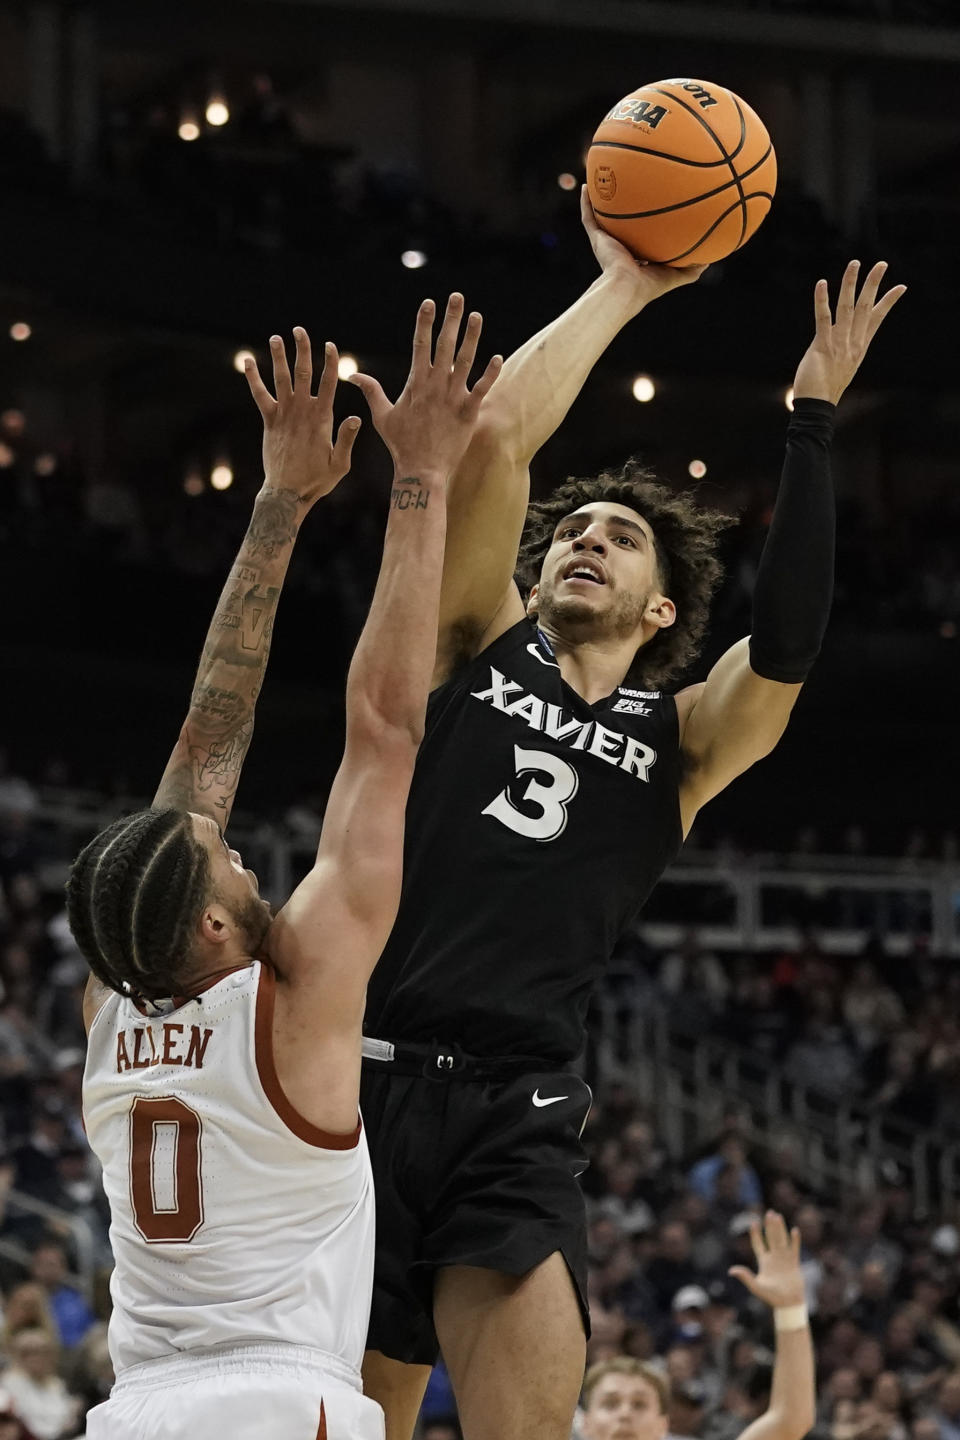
x=592, y=538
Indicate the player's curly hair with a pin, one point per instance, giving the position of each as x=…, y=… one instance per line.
x=134, y=898
x=686, y=538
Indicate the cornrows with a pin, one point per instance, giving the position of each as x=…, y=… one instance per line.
x=686, y=538
x=133, y=899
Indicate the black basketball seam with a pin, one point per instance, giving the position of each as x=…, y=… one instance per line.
x=682, y=204
x=701, y=120
x=660, y=154
x=743, y=203
x=757, y=194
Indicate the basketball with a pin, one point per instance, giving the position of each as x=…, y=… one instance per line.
x=683, y=172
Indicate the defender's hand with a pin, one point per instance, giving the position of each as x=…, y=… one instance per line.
x=432, y=422
x=838, y=346
x=646, y=280
x=779, y=1279
x=299, y=452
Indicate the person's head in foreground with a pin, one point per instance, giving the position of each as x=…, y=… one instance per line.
x=158, y=903
x=624, y=1399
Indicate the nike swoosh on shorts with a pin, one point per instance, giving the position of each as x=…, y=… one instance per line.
x=539, y=1100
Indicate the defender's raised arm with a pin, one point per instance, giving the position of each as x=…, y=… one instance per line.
x=301, y=463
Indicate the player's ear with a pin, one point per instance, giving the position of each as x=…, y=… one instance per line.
x=215, y=925
x=660, y=611
x=532, y=607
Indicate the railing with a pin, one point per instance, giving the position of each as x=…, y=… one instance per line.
x=58, y=1221
x=687, y=1081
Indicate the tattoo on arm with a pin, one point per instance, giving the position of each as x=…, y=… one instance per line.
x=274, y=524
x=409, y=496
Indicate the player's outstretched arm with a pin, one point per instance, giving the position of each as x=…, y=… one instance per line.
x=328, y=937
x=301, y=462
x=540, y=381
x=779, y=1283
x=740, y=712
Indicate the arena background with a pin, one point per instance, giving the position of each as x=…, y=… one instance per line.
x=788, y=1009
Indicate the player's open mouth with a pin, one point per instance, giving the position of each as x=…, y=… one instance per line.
x=585, y=570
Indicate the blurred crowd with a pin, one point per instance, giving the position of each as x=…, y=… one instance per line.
x=882, y=1280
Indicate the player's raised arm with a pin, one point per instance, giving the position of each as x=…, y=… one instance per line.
x=301, y=462
x=328, y=937
x=540, y=381
x=740, y=712
x=779, y=1283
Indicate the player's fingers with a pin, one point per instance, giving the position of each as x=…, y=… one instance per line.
x=776, y=1230
x=882, y=309
x=868, y=293
x=821, y=307
x=449, y=330
x=422, y=338
x=328, y=376
x=756, y=1239
x=303, y=362
x=343, y=445
x=263, y=400
x=795, y=1242
x=372, y=393
x=281, y=370
x=484, y=384
x=586, y=211
x=846, y=300
x=745, y=1276
x=468, y=349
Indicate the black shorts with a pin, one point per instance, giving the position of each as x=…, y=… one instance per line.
x=469, y=1171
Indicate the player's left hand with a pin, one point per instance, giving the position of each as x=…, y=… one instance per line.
x=838, y=346
x=779, y=1279
x=300, y=453
x=646, y=280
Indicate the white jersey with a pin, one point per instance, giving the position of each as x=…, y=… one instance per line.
x=233, y=1220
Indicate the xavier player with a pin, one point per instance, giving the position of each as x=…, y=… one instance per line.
x=556, y=781
x=223, y=1064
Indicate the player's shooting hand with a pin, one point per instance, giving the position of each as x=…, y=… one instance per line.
x=646, y=281
x=779, y=1279
x=430, y=426
x=300, y=453
x=839, y=345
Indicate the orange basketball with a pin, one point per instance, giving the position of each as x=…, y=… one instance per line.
x=682, y=172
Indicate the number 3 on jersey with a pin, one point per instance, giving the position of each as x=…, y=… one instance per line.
x=550, y=799
x=165, y=1185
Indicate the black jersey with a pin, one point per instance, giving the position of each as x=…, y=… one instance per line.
x=536, y=828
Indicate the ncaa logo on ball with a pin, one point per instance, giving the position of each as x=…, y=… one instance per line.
x=605, y=182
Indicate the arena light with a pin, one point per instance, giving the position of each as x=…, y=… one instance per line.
x=217, y=111
x=7, y=456
x=20, y=330
x=413, y=259
x=566, y=181
x=696, y=469
x=346, y=366
x=221, y=476
x=240, y=360
x=788, y=398
x=643, y=389
x=193, y=482
x=45, y=464
x=188, y=129
x=13, y=422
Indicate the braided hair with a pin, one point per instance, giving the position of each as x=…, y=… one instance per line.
x=134, y=898
x=686, y=538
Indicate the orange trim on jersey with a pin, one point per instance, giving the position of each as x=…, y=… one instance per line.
x=322, y=1427
x=267, y=1070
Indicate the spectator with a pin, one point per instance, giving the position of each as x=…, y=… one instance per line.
x=71, y=1312
x=623, y=1398
x=11, y=1426
x=947, y=1409
x=27, y=1308
x=731, y=1153
x=873, y=1306
x=672, y=1267
x=40, y=1396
